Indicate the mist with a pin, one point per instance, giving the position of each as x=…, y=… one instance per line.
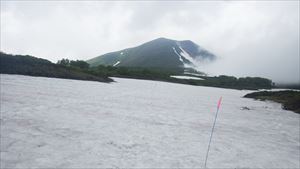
x=249, y=38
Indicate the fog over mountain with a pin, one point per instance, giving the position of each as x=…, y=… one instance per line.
x=249, y=38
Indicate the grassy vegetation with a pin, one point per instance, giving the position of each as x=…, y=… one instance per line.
x=250, y=83
x=28, y=65
x=289, y=99
x=134, y=72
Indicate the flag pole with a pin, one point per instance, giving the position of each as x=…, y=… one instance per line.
x=212, y=130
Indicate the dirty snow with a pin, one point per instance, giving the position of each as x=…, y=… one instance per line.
x=187, y=77
x=57, y=123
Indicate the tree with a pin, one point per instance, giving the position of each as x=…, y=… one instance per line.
x=65, y=62
x=80, y=64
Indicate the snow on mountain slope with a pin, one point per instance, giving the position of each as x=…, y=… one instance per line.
x=184, y=54
x=179, y=56
x=57, y=123
x=118, y=62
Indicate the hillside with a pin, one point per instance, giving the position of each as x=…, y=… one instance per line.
x=289, y=99
x=159, y=53
x=250, y=83
x=29, y=65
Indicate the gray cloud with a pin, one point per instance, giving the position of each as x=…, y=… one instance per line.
x=250, y=38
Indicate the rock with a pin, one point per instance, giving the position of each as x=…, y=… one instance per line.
x=245, y=108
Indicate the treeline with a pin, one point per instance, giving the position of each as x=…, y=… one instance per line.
x=251, y=83
x=134, y=72
x=125, y=72
x=29, y=65
x=72, y=63
x=70, y=69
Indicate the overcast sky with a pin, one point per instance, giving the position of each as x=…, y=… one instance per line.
x=249, y=38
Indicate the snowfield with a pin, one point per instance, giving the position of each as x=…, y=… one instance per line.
x=187, y=77
x=48, y=122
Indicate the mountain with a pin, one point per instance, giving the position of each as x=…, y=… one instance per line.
x=158, y=53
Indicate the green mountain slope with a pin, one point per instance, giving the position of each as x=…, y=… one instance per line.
x=158, y=53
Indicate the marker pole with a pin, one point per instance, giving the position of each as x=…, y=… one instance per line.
x=212, y=131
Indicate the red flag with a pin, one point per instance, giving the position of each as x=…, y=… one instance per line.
x=219, y=103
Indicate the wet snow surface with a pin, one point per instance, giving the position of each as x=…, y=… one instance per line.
x=47, y=122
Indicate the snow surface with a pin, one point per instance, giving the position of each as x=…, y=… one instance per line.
x=118, y=62
x=187, y=77
x=58, y=123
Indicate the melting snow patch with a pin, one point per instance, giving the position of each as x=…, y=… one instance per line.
x=121, y=53
x=116, y=63
x=180, y=58
x=187, y=77
x=186, y=55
